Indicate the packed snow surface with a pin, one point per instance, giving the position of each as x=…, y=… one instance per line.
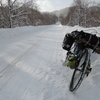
x=31, y=65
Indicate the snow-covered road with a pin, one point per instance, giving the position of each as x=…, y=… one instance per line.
x=31, y=66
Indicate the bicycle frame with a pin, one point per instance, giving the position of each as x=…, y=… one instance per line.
x=83, y=66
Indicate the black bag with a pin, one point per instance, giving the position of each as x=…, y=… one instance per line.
x=68, y=42
x=91, y=41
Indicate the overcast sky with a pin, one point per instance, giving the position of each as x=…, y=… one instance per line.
x=51, y=5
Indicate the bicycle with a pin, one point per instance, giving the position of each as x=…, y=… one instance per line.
x=80, y=68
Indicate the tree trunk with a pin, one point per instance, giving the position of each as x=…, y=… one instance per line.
x=9, y=8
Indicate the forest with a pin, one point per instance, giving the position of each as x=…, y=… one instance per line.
x=83, y=13
x=16, y=14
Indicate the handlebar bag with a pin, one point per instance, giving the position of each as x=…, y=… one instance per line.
x=68, y=42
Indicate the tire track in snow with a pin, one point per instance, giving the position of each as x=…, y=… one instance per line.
x=7, y=69
x=40, y=73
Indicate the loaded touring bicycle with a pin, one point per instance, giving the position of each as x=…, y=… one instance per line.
x=78, y=44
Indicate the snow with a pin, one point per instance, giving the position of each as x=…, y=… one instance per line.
x=31, y=65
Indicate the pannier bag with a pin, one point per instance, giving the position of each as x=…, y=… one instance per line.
x=68, y=42
x=91, y=41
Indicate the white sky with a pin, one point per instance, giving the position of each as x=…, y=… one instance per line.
x=51, y=5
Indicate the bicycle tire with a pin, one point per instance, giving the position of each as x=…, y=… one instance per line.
x=78, y=74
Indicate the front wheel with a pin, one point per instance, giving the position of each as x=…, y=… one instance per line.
x=79, y=71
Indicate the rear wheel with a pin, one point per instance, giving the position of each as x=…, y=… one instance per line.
x=79, y=71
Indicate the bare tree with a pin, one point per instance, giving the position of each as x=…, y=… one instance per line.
x=49, y=19
x=1, y=15
x=84, y=13
x=80, y=12
x=18, y=12
x=15, y=13
x=10, y=18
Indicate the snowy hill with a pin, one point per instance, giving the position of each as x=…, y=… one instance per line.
x=31, y=65
x=62, y=12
